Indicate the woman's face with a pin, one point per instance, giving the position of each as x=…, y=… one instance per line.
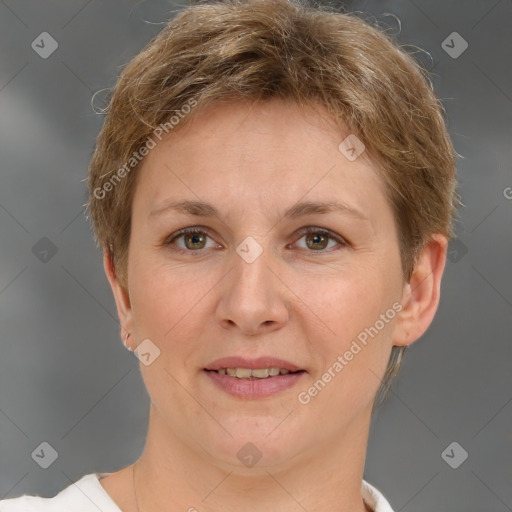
x=253, y=284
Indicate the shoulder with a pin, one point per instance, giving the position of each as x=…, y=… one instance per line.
x=25, y=504
x=373, y=498
x=84, y=495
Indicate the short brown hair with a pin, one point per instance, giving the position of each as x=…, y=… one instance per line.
x=288, y=49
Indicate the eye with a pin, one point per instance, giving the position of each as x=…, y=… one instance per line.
x=317, y=239
x=193, y=239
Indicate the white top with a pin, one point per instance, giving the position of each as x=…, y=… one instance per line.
x=88, y=495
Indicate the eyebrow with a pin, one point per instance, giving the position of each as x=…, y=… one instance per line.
x=203, y=209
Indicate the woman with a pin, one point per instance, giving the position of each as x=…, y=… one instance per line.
x=273, y=191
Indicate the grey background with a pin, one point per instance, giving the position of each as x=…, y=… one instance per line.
x=65, y=377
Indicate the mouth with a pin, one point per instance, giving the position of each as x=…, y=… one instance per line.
x=254, y=374
x=252, y=379
x=262, y=366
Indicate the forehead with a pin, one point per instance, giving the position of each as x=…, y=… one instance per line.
x=240, y=127
x=257, y=154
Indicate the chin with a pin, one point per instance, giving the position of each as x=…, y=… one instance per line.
x=251, y=447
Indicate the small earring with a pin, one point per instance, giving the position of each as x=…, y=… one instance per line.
x=125, y=342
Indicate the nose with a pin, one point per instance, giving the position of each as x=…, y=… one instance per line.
x=253, y=298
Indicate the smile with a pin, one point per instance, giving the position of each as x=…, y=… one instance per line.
x=258, y=373
x=252, y=384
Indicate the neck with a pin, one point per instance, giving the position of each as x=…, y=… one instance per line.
x=172, y=475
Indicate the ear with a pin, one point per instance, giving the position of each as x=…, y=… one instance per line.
x=121, y=296
x=421, y=294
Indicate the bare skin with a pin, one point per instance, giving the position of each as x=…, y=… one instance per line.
x=299, y=300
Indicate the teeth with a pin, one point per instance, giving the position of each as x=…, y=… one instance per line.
x=261, y=374
x=247, y=373
x=243, y=373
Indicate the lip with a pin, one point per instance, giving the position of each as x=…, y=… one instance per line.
x=253, y=389
x=253, y=364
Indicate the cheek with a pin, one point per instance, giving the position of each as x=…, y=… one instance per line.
x=157, y=298
x=168, y=304
x=341, y=305
x=351, y=316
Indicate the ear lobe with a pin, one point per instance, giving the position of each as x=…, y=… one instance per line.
x=121, y=295
x=422, y=293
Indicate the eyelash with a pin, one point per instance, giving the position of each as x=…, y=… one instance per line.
x=305, y=231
